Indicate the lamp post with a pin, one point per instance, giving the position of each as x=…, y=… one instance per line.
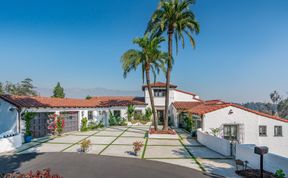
x=261, y=150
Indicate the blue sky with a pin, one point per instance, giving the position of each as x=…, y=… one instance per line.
x=241, y=53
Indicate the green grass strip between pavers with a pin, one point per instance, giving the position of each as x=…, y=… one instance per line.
x=80, y=141
x=46, y=141
x=113, y=141
x=193, y=157
x=144, y=149
x=164, y=139
x=166, y=145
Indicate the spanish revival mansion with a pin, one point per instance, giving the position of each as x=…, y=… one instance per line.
x=234, y=121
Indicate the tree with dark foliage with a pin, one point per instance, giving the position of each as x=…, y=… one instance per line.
x=58, y=91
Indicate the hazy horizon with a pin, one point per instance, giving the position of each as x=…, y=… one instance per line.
x=240, y=55
x=99, y=91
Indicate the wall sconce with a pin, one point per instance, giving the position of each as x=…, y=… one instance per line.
x=230, y=112
x=12, y=109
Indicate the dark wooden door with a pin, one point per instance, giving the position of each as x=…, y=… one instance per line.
x=160, y=114
x=71, y=121
x=39, y=125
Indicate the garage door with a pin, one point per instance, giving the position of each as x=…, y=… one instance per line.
x=71, y=121
x=39, y=125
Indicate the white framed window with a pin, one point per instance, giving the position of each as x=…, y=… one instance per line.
x=117, y=113
x=159, y=92
x=90, y=115
x=278, y=131
x=262, y=130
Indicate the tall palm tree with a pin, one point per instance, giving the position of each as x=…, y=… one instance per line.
x=150, y=58
x=176, y=19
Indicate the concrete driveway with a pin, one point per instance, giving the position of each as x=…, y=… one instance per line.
x=84, y=165
x=117, y=141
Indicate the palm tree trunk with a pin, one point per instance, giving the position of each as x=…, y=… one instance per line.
x=169, y=67
x=147, y=71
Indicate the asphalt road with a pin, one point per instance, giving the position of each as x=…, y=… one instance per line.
x=76, y=165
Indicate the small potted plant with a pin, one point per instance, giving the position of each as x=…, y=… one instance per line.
x=28, y=134
x=85, y=145
x=137, y=147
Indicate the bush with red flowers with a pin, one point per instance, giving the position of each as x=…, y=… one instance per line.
x=56, y=124
x=38, y=174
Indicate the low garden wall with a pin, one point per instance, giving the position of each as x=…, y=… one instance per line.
x=272, y=162
x=10, y=143
x=217, y=144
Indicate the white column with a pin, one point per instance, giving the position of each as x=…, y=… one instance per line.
x=79, y=120
x=85, y=114
x=95, y=113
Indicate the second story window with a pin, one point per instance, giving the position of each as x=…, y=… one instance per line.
x=278, y=131
x=262, y=131
x=159, y=92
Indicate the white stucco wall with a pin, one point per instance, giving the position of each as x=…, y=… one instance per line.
x=174, y=115
x=272, y=162
x=158, y=101
x=250, y=128
x=173, y=96
x=98, y=113
x=8, y=118
x=217, y=144
x=10, y=143
x=180, y=96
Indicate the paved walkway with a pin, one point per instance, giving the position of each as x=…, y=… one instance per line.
x=117, y=141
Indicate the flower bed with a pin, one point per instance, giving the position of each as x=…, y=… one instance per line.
x=46, y=173
x=169, y=134
x=169, y=131
x=254, y=173
x=139, y=123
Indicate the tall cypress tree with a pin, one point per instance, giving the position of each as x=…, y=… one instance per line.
x=58, y=91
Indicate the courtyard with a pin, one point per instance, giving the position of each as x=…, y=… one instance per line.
x=117, y=141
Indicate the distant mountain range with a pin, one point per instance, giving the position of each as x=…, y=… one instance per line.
x=83, y=92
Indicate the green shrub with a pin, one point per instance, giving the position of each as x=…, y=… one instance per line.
x=130, y=112
x=215, y=131
x=189, y=123
x=280, y=173
x=138, y=117
x=92, y=125
x=116, y=120
x=148, y=114
x=84, y=125
x=28, y=117
x=100, y=125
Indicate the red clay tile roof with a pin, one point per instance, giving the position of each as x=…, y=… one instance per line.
x=108, y=101
x=160, y=85
x=185, y=105
x=260, y=113
x=204, y=107
x=26, y=101
x=213, y=105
